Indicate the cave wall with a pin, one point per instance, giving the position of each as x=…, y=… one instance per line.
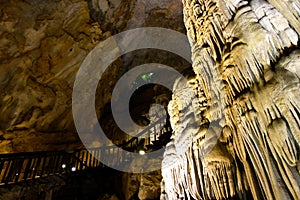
x=245, y=83
x=42, y=45
x=236, y=133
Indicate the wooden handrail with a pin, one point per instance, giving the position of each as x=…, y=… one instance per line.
x=18, y=167
x=166, y=127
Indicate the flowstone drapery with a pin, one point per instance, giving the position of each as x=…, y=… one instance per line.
x=239, y=134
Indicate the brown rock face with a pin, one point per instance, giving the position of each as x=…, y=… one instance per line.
x=46, y=42
x=237, y=134
x=42, y=46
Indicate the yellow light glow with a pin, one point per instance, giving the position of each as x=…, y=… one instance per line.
x=142, y=152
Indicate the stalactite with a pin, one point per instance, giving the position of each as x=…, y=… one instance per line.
x=244, y=137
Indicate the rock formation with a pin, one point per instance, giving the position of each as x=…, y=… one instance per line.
x=238, y=134
x=42, y=46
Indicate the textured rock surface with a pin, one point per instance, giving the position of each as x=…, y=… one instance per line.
x=150, y=186
x=245, y=81
x=42, y=45
x=237, y=134
x=142, y=186
x=41, y=189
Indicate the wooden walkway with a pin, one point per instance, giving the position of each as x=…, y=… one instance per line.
x=20, y=167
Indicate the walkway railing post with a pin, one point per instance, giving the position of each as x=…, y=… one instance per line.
x=25, y=166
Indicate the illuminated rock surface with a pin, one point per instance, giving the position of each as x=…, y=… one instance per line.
x=42, y=46
x=238, y=134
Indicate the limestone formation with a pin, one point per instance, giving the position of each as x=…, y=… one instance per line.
x=236, y=128
x=238, y=134
x=42, y=45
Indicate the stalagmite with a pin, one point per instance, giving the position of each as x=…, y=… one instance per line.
x=238, y=134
